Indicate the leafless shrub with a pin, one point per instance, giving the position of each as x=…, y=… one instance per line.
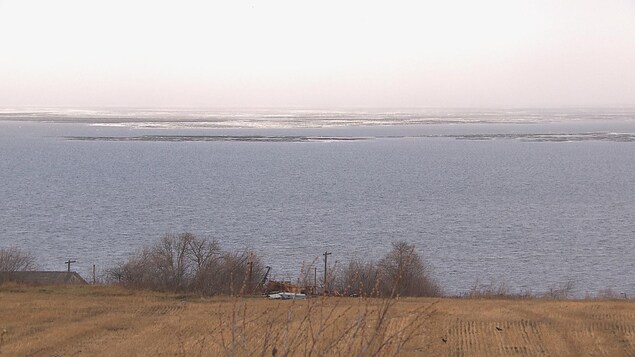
x=359, y=278
x=234, y=272
x=563, y=291
x=493, y=291
x=610, y=294
x=136, y=272
x=488, y=291
x=503, y=291
x=16, y=259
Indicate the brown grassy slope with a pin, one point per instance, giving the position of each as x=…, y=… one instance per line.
x=108, y=321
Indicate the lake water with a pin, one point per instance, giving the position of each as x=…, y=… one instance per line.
x=529, y=198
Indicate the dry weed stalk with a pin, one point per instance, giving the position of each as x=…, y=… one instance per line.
x=4, y=332
x=317, y=327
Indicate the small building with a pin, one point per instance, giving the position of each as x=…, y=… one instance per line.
x=42, y=277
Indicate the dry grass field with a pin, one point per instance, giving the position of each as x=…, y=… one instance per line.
x=110, y=321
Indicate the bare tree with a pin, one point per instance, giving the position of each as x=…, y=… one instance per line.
x=205, y=256
x=403, y=273
x=185, y=262
x=202, y=251
x=16, y=259
x=170, y=259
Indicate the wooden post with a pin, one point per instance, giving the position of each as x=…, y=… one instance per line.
x=94, y=278
x=326, y=255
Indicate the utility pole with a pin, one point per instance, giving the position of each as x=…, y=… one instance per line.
x=68, y=264
x=326, y=255
x=314, y=280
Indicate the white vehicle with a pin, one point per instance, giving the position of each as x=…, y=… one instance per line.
x=287, y=296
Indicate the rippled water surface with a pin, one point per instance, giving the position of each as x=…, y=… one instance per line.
x=532, y=199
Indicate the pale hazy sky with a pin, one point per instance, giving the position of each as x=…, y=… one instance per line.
x=264, y=53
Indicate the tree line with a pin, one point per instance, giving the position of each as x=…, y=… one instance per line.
x=191, y=264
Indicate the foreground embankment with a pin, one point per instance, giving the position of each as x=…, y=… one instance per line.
x=110, y=321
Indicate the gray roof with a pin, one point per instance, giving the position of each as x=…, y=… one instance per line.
x=42, y=277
